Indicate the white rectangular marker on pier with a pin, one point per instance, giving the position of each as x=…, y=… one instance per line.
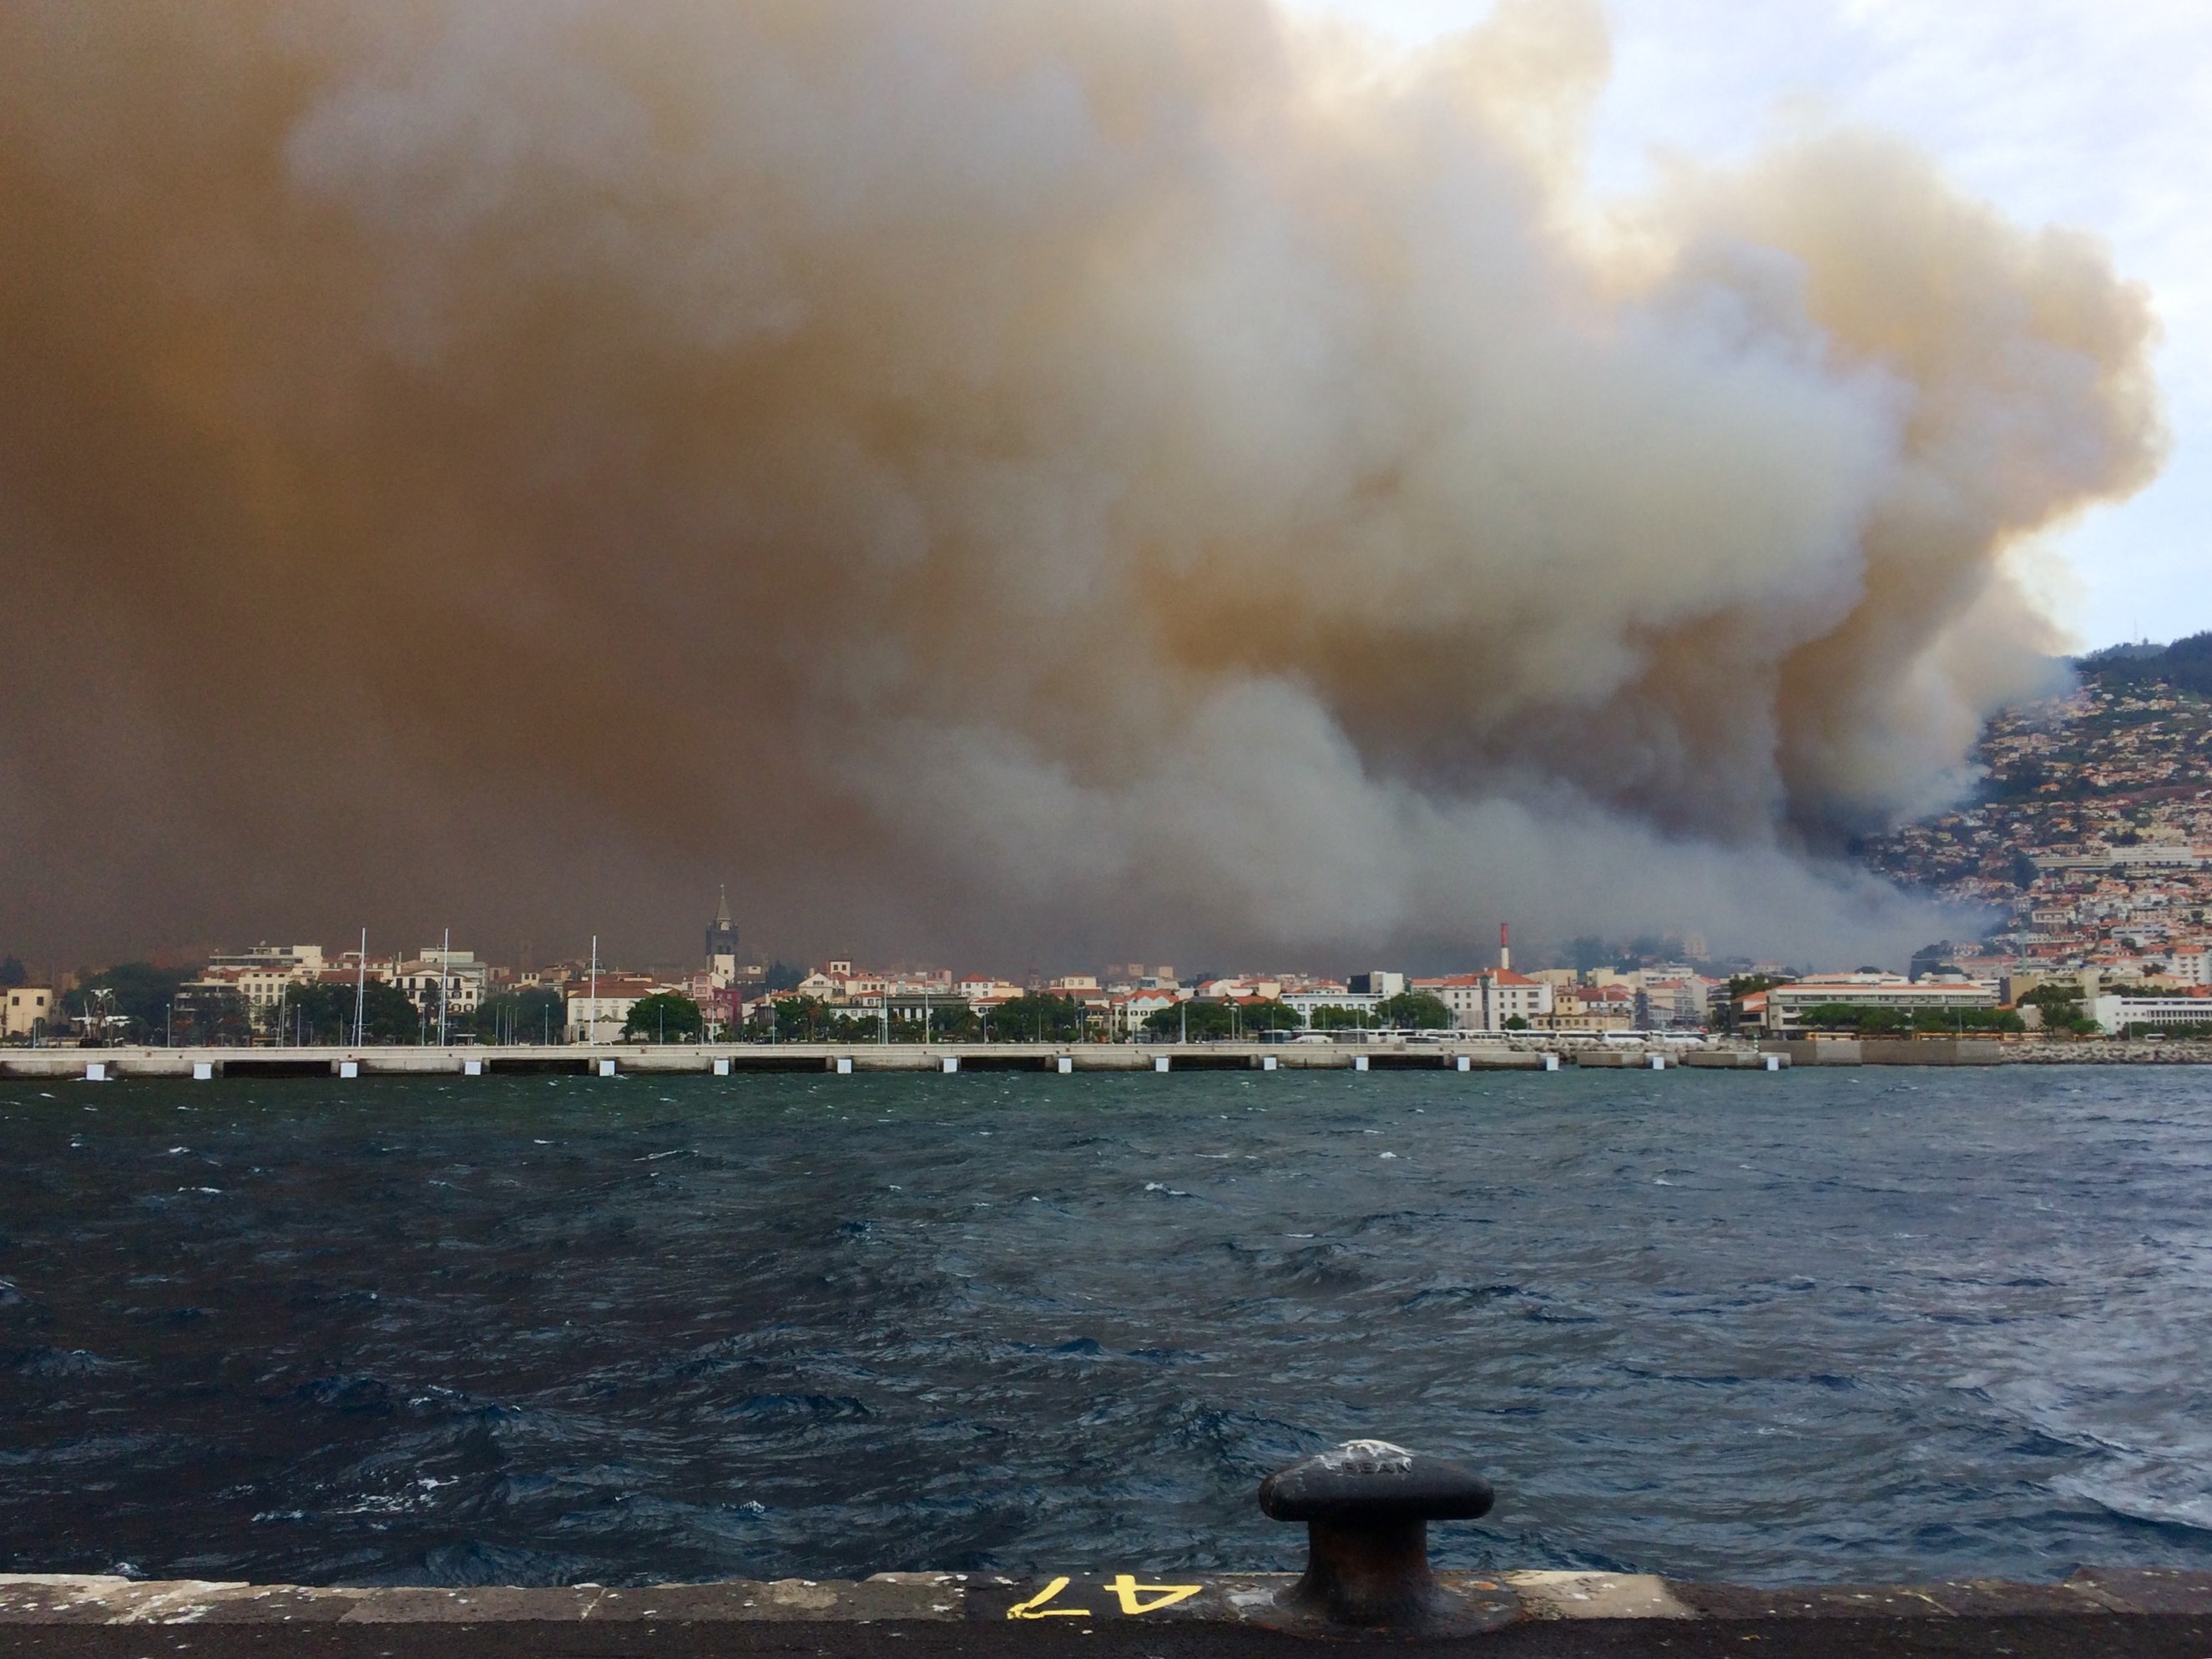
x=348, y=1069
x=1064, y=1063
x=1463, y=1063
x=1658, y=1062
x=96, y=1071
x=1773, y=1062
x=473, y=1068
x=1360, y=1062
x=1266, y=1063
x=844, y=1065
x=202, y=1070
x=1551, y=1062
x=1160, y=1062
x=953, y=1062
x=606, y=1068
x=721, y=1068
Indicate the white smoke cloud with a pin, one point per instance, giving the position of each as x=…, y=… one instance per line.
x=1107, y=477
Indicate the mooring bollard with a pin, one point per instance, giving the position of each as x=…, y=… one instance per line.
x=1367, y=1505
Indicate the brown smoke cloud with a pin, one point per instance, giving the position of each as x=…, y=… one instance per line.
x=1070, y=480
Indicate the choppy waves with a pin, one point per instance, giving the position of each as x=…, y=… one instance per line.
x=1813, y=1325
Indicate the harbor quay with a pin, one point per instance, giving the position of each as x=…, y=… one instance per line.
x=2143, y=1614
x=733, y=1060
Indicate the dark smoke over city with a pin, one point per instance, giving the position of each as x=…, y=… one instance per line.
x=1049, y=482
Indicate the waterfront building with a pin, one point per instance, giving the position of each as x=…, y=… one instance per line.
x=1083, y=990
x=717, y=1002
x=1313, y=997
x=1240, y=988
x=1487, y=1000
x=25, y=1012
x=435, y=973
x=597, y=1016
x=2118, y=1014
x=840, y=983
x=1127, y=1010
x=1786, y=1005
x=261, y=977
x=1663, y=1004
x=1591, y=1009
x=298, y=961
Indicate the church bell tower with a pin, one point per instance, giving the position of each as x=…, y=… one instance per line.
x=722, y=943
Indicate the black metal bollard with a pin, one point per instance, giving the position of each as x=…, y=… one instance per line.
x=1367, y=1505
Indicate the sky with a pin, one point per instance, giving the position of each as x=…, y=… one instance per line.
x=2075, y=112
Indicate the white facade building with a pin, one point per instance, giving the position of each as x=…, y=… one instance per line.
x=2116, y=1014
x=455, y=975
x=599, y=1016
x=1787, y=1004
x=1486, y=1000
x=1330, y=996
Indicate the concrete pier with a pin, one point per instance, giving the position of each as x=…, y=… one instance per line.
x=735, y=1059
x=2146, y=1613
x=1462, y=1053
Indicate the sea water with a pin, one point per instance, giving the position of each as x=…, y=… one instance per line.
x=1867, y=1324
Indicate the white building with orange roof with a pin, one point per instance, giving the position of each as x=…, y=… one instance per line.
x=1486, y=1001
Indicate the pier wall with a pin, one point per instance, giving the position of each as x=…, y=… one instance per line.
x=840, y=1059
x=737, y=1059
x=2141, y=1612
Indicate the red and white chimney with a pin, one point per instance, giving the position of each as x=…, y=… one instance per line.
x=1504, y=948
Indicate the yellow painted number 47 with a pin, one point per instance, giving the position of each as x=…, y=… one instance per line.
x=1135, y=1598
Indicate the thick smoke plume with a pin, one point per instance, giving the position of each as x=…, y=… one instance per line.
x=1073, y=480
